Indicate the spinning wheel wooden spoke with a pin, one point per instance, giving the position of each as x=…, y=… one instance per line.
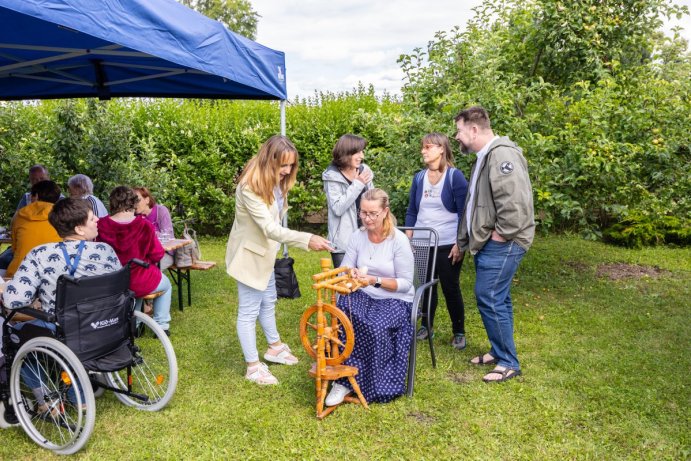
x=328, y=336
x=336, y=349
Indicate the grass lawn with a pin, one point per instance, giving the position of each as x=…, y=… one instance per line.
x=606, y=368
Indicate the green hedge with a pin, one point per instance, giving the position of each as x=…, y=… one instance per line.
x=592, y=163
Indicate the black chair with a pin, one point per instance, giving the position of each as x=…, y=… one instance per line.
x=424, y=243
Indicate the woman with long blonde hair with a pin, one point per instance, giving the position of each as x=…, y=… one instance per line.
x=261, y=199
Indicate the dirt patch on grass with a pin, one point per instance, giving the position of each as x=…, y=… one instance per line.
x=422, y=418
x=620, y=271
x=460, y=378
x=577, y=266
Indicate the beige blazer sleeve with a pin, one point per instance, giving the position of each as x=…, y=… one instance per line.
x=255, y=238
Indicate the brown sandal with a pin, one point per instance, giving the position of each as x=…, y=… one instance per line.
x=506, y=374
x=481, y=360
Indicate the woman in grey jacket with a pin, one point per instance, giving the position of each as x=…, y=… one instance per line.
x=345, y=180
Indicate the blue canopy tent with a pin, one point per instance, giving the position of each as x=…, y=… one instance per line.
x=129, y=48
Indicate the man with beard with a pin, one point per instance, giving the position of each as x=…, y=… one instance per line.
x=498, y=227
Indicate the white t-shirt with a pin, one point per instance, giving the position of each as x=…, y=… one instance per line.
x=432, y=213
x=470, y=208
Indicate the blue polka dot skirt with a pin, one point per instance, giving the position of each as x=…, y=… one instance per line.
x=382, y=342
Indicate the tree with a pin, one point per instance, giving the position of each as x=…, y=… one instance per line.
x=594, y=93
x=236, y=15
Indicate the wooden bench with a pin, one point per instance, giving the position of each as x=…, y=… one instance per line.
x=148, y=305
x=180, y=274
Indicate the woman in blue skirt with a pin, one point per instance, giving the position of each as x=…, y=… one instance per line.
x=380, y=312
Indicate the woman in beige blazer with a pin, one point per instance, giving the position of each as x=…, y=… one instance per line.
x=256, y=235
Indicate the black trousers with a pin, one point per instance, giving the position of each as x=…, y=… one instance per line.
x=449, y=279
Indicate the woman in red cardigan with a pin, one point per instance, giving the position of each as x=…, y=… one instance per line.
x=134, y=237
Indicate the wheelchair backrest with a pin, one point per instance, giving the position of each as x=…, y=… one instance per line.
x=94, y=312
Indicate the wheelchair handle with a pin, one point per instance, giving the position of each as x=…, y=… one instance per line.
x=138, y=262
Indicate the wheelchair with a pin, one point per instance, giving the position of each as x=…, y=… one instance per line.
x=95, y=341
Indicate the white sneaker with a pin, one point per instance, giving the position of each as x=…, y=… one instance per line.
x=337, y=394
x=261, y=375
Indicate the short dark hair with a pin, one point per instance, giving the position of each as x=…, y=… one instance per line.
x=146, y=195
x=47, y=191
x=123, y=198
x=69, y=213
x=475, y=114
x=345, y=147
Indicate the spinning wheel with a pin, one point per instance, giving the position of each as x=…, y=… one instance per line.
x=339, y=334
x=327, y=334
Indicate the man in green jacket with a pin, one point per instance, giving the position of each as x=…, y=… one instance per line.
x=498, y=227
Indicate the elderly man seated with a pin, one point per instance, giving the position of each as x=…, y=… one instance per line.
x=81, y=186
x=30, y=227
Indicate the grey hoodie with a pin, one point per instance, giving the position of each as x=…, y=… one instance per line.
x=340, y=201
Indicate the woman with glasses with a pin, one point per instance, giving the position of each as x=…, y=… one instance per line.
x=437, y=199
x=381, y=255
x=261, y=199
x=345, y=180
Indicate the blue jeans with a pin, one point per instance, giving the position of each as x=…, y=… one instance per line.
x=253, y=304
x=162, y=303
x=495, y=265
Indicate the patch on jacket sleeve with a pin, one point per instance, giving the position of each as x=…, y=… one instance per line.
x=506, y=168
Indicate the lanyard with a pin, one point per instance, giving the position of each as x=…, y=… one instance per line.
x=72, y=264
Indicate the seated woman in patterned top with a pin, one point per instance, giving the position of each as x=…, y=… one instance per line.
x=40, y=269
x=76, y=254
x=380, y=312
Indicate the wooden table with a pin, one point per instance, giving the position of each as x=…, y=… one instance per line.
x=174, y=244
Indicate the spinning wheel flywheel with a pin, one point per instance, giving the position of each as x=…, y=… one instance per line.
x=339, y=337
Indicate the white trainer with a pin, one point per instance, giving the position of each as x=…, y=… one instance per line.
x=337, y=394
x=261, y=375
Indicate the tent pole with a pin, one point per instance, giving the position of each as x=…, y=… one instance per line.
x=283, y=117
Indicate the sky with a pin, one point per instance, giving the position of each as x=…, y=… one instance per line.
x=333, y=45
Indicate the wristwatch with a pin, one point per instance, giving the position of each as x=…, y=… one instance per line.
x=377, y=282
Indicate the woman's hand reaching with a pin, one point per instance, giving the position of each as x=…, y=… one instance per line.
x=318, y=243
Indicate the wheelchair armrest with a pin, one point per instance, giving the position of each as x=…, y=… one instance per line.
x=138, y=262
x=35, y=313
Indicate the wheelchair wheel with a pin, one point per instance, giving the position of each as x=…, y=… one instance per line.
x=46, y=369
x=154, y=374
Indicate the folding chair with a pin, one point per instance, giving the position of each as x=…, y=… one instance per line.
x=424, y=243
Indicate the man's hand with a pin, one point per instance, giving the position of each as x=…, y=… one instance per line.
x=496, y=237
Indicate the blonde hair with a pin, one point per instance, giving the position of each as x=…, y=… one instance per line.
x=262, y=172
x=378, y=195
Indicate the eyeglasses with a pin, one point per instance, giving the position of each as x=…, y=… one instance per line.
x=369, y=215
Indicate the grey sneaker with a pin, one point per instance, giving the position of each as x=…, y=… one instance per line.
x=458, y=341
x=422, y=333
